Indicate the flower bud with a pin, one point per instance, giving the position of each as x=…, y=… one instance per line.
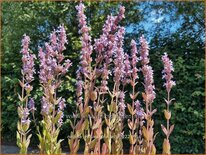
x=25, y=124
x=167, y=114
x=93, y=96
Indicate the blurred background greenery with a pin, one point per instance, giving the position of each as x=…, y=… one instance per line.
x=173, y=27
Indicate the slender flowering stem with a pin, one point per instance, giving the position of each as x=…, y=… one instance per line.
x=24, y=110
x=148, y=96
x=135, y=109
x=167, y=75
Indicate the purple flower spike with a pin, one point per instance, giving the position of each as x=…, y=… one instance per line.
x=32, y=105
x=45, y=107
x=28, y=60
x=167, y=72
x=122, y=105
x=62, y=104
x=134, y=60
x=147, y=71
x=144, y=51
x=127, y=70
x=148, y=83
x=119, y=56
x=51, y=59
x=87, y=48
x=139, y=110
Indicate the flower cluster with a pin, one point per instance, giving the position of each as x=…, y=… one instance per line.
x=32, y=105
x=147, y=71
x=119, y=68
x=127, y=70
x=148, y=83
x=106, y=45
x=87, y=48
x=134, y=60
x=144, y=51
x=139, y=110
x=167, y=72
x=28, y=62
x=105, y=76
x=86, y=51
x=51, y=58
x=45, y=106
x=122, y=103
x=23, y=115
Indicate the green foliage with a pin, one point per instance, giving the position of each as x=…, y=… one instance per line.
x=48, y=142
x=184, y=44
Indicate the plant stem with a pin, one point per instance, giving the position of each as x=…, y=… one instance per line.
x=168, y=99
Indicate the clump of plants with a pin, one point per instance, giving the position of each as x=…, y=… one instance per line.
x=106, y=76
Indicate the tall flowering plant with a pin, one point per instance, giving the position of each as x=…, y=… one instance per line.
x=90, y=96
x=148, y=97
x=52, y=68
x=110, y=46
x=136, y=111
x=167, y=75
x=26, y=106
x=86, y=93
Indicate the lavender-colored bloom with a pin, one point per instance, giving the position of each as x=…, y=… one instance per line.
x=51, y=59
x=86, y=51
x=167, y=72
x=25, y=44
x=23, y=114
x=62, y=104
x=134, y=60
x=122, y=103
x=121, y=14
x=45, y=107
x=119, y=56
x=105, y=77
x=148, y=83
x=53, y=38
x=46, y=73
x=105, y=42
x=28, y=60
x=87, y=48
x=106, y=45
x=147, y=71
x=62, y=38
x=32, y=105
x=66, y=66
x=127, y=70
x=144, y=51
x=25, y=121
x=79, y=86
x=139, y=110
